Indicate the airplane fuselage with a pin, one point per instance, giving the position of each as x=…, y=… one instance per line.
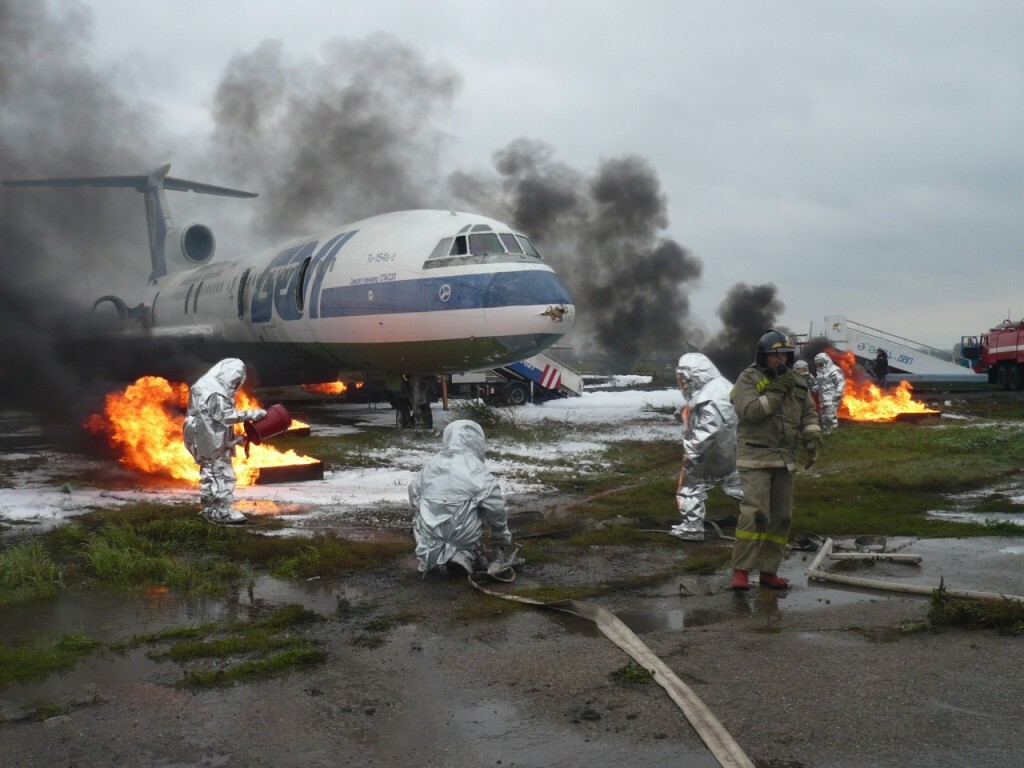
x=413, y=292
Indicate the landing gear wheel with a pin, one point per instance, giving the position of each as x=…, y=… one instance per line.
x=1003, y=377
x=426, y=418
x=404, y=415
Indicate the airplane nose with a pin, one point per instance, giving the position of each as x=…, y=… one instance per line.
x=532, y=309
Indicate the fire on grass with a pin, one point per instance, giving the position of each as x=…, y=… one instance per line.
x=864, y=401
x=143, y=425
x=331, y=387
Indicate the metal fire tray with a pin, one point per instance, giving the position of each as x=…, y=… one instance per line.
x=291, y=473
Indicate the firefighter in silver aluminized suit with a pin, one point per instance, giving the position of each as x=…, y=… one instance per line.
x=210, y=437
x=831, y=383
x=455, y=495
x=709, y=442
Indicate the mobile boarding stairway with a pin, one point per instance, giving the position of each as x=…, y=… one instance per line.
x=923, y=366
x=534, y=379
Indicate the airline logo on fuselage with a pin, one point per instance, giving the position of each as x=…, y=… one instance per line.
x=276, y=286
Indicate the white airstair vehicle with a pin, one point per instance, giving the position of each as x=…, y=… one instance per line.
x=923, y=366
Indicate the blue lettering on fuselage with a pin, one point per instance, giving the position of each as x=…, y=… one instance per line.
x=276, y=286
x=321, y=265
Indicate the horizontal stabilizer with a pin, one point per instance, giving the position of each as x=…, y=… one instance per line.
x=137, y=183
x=152, y=186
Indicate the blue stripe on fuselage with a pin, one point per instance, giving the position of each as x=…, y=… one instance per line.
x=438, y=294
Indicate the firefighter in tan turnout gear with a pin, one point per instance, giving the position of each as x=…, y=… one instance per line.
x=776, y=414
x=709, y=442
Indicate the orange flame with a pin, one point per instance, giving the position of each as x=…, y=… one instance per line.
x=864, y=401
x=144, y=422
x=331, y=387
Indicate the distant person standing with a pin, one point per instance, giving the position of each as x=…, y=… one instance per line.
x=709, y=442
x=831, y=385
x=882, y=368
x=776, y=413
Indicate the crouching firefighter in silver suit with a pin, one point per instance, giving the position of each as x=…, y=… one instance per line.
x=210, y=437
x=709, y=442
x=455, y=496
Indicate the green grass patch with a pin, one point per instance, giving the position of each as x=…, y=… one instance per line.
x=632, y=674
x=38, y=659
x=329, y=555
x=1004, y=615
x=27, y=572
x=241, y=650
x=258, y=669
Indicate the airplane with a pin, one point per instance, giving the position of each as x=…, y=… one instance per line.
x=405, y=296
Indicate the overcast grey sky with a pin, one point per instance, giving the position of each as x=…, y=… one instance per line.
x=865, y=157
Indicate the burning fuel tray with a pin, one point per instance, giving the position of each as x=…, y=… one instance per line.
x=914, y=418
x=291, y=473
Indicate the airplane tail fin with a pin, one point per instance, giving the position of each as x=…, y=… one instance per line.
x=152, y=186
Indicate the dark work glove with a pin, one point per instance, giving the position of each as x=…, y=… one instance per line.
x=783, y=383
x=812, y=445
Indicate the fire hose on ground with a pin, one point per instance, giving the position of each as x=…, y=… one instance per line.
x=814, y=572
x=725, y=749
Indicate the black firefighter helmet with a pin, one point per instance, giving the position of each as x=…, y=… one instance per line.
x=775, y=342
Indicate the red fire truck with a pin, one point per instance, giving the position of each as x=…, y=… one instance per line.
x=999, y=353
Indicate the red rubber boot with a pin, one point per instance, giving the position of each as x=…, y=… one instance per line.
x=772, y=581
x=740, y=580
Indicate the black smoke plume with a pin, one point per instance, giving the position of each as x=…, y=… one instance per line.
x=602, y=234
x=746, y=313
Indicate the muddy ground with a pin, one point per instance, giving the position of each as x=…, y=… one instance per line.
x=817, y=676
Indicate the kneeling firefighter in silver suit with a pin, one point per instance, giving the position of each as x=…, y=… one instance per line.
x=210, y=437
x=455, y=495
x=709, y=442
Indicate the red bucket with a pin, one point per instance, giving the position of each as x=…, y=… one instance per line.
x=275, y=422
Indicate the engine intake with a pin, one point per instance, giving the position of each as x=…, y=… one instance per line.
x=191, y=245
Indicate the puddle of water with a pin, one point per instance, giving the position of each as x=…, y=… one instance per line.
x=978, y=517
x=112, y=617
x=642, y=622
x=108, y=617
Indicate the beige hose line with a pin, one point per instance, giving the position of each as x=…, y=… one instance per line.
x=725, y=749
x=813, y=572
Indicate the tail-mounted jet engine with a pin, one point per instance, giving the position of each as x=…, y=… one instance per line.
x=190, y=246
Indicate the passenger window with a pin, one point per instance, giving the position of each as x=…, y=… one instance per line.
x=459, y=247
x=527, y=246
x=442, y=248
x=484, y=243
x=510, y=242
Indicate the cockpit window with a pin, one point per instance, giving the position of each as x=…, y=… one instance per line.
x=442, y=248
x=528, y=246
x=481, y=243
x=510, y=242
